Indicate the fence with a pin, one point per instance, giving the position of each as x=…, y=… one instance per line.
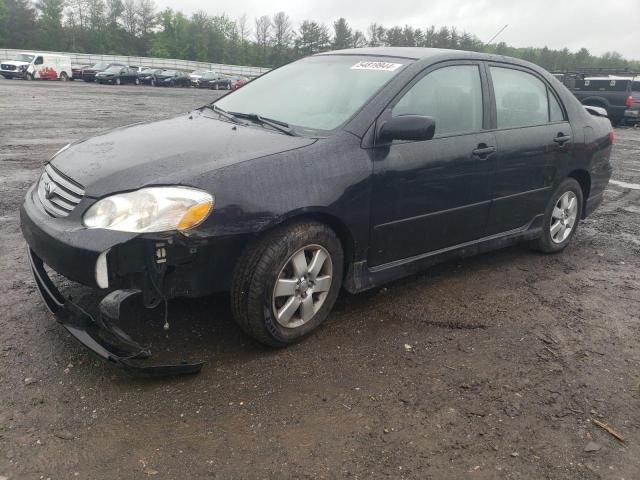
x=169, y=63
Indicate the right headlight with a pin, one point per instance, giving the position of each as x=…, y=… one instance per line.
x=152, y=209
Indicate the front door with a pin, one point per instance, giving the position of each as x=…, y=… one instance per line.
x=434, y=194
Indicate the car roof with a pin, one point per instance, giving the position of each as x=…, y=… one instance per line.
x=426, y=54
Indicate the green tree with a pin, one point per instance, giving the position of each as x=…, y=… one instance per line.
x=50, y=23
x=312, y=38
x=342, y=34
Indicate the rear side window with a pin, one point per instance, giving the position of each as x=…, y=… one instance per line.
x=522, y=99
x=451, y=95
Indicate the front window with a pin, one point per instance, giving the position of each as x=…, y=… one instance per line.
x=451, y=95
x=315, y=93
x=23, y=57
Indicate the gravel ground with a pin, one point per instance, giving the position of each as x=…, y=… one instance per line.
x=489, y=368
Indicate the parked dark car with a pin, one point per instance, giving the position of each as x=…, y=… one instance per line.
x=172, y=78
x=89, y=74
x=148, y=75
x=615, y=95
x=118, y=76
x=214, y=81
x=346, y=169
x=76, y=71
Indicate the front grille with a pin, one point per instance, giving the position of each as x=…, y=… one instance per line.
x=4, y=66
x=58, y=194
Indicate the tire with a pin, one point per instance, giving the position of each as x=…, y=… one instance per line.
x=253, y=295
x=216, y=87
x=30, y=77
x=137, y=81
x=117, y=81
x=64, y=77
x=550, y=241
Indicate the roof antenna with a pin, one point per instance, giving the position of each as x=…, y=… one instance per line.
x=496, y=35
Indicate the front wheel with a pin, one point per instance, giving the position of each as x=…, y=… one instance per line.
x=561, y=217
x=118, y=81
x=286, y=283
x=64, y=77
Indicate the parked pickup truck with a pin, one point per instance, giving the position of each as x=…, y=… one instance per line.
x=615, y=94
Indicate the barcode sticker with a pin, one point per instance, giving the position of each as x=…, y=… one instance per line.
x=382, y=66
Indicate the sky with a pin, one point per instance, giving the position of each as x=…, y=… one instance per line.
x=598, y=25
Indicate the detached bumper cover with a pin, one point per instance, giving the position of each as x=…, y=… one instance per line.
x=100, y=335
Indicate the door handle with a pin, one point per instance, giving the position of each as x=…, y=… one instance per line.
x=562, y=139
x=483, y=151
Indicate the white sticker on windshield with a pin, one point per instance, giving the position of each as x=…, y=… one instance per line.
x=384, y=66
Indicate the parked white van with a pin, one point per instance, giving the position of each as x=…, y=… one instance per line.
x=33, y=66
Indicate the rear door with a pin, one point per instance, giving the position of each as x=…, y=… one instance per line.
x=533, y=139
x=434, y=194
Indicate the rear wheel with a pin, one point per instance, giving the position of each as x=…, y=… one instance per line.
x=286, y=283
x=118, y=81
x=561, y=217
x=137, y=81
x=64, y=77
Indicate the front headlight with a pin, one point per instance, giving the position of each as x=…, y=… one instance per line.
x=152, y=209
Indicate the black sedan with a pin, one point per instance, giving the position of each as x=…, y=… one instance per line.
x=118, y=76
x=214, y=81
x=346, y=169
x=147, y=76
x=89, y=74
x=172, y=78
x=76, y=71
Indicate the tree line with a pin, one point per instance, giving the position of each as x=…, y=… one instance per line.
x=137, y=28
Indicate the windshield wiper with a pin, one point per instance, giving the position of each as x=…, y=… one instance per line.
x=222, y=113
x=277, y=124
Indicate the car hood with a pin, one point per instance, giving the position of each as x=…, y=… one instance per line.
x=172, y=151
x=15, y=63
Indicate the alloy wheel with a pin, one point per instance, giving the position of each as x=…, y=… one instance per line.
x=302, y=286
x=564, y=217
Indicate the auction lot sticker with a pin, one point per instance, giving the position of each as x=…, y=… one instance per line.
x=384, y=66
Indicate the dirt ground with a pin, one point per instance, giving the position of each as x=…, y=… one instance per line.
x=490, y=368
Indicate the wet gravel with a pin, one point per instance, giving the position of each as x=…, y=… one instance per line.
x=488, y=368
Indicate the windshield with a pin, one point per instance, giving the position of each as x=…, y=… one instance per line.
x=100, y=66
x=23, y=57
x=317, y=93
x=169, y=72
x=113, y=70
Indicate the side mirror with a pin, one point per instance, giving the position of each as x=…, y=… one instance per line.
x=408, y=127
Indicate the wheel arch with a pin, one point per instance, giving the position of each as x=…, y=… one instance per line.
x=343, y=232
x=584, y=180
x=596, y=101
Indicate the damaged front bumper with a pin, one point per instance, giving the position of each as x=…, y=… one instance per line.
x=100, y=334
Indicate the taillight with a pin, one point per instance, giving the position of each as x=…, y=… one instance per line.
x=629, y=101
x=611, y=137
